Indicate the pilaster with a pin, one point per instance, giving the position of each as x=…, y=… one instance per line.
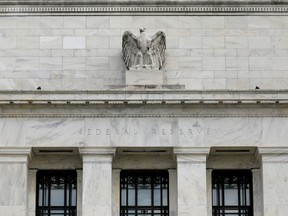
x=79, y=192
x=97, y=181
x=116, y=192
x=257, y=192
x=14, y=181
x=172, y=192
x=32, y=192
x=275, y=177
x=209, y=191
x=191, y=181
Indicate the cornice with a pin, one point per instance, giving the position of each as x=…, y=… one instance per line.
x=147, y=7
x=164, y=103
x=144, y=97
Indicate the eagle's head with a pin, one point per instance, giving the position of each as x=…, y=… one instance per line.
x=142, y=29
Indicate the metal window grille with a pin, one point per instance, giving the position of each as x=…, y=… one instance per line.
x=144, y=193
x=232, y=193
x=56, y=193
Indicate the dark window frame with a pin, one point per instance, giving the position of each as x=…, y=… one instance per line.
x=45, y=178
x=144, y=210
x=244, y=181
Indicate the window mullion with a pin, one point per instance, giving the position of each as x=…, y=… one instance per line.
x=239, y=193
x=65, y=195
x=223, y=197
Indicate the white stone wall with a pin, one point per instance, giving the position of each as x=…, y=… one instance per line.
x=84, y=52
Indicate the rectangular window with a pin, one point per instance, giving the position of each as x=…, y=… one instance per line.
x=56, y=193
x=144, y=193
x=232, y=193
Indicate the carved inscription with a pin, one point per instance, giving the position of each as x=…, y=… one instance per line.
x=195, y=130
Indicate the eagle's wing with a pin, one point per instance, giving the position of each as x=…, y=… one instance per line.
x=157, y=49
x=129, y=48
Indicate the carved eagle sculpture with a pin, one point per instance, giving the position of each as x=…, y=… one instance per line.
x=144, y=51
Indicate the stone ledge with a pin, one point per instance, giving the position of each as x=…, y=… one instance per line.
x=152, y=96
x=273, y=154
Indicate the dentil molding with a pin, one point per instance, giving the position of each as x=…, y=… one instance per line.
x=143, y=7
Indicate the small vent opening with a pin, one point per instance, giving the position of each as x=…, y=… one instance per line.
x=232, y=150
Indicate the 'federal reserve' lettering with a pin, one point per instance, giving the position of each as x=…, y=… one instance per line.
x=151, y=131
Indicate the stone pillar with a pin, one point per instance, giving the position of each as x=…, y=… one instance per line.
x=79, y=192
x=257, y=192
x=209, y=191
x=172, y=192
x=275, y=180
x=97, y=181
x=14, y=181
x=191, y=181
x=32, y=174
x=116, y=191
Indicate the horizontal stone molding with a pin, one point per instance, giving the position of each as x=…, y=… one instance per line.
x=15, y=155
x=273, y=150
x=15, y=151
x=145, y=97
x=130, y=7
x=273, y=154
x=264, y=103
x=212, y=115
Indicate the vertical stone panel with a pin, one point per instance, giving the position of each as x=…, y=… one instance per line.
x=116, y=192
x=79, y=192
x=275, y=178
x=209, y=191
x=191, y=181
x=31, y=192
x=172, y=192
x=14, y=182
x=97, y=181
x=257, y=192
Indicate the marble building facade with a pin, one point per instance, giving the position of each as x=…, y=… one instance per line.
x=219, y=106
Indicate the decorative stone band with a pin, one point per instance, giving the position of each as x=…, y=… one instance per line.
x=149, y=7
x=18, y=104
x=148, y=97
x=273, y=154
